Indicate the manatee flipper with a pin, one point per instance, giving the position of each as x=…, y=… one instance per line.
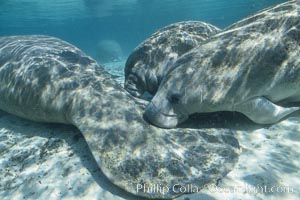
x=262, y=111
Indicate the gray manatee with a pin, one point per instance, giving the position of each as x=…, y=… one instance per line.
x=45, y=79
x=108, y=51
x=153, y=58
x=252, y=67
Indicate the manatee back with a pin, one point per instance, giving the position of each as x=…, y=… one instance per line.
x=39, y=76
x=153, y=58
x=257, y=56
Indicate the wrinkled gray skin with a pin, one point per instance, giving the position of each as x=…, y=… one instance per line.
x=249, y=68
x=48, y=80
x=153, y=59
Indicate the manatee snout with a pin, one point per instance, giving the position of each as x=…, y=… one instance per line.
x=160, y=119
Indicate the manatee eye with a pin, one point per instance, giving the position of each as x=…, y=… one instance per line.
x=174, y=97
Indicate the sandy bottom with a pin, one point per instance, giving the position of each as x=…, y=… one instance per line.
x=53, y=161
x=116, y=69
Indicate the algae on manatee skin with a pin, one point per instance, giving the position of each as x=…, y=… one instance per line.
x=132, y=167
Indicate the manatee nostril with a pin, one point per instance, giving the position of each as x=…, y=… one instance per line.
x=174, y=97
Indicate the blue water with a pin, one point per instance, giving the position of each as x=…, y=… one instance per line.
x=128, y=22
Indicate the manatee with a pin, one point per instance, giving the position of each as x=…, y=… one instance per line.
x=45, y=79
x=253, y=67
x=152, y=59
x=108, y=51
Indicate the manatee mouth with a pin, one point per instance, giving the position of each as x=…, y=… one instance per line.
x=160, y=119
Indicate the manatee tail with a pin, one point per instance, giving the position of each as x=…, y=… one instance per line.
x=133, y=154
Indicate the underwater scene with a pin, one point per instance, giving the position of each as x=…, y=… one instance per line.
x=140, y=99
